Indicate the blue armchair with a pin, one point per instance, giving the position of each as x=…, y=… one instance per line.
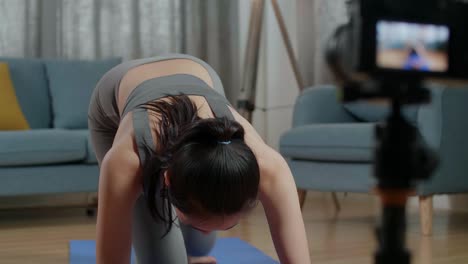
x=330, y=146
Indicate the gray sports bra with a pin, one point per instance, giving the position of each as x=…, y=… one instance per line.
x=159, y=87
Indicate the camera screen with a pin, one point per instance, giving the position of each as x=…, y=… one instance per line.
x=412, y=47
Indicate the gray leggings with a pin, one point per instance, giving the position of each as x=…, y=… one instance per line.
x=146, y=232
x=150, y=248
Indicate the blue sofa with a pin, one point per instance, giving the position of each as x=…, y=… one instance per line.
x=55, y=155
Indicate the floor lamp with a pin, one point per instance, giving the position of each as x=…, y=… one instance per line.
x=247, y=95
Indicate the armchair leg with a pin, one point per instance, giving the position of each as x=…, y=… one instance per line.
x=425, y=214
x=336, y=202
x=302, y=195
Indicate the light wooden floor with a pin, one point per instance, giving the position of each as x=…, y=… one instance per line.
x=41, y=236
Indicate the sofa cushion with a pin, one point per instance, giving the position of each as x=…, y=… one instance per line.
x=330, y=142
x=41, y=147
x=11, y=116
x=71, y=85
x=90, y=154
x=31, y=88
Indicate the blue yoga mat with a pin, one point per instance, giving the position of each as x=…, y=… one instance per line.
x=226, y=251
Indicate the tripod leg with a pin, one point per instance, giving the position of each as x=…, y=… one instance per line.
x=287, y=42
x=246, y=101
x=302, y=195
x=336, y=201
x=425, y=214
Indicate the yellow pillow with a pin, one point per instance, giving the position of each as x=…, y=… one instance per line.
x=11, y=116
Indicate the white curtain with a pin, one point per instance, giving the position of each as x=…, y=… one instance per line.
x=317, y=20
x=93, y=29
x=130, y=29
x=19, y=28
x=329, y=15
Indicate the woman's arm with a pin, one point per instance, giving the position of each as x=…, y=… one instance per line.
x=119, y=188
x=278, y=194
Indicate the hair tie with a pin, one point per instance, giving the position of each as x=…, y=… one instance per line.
x=225, y=142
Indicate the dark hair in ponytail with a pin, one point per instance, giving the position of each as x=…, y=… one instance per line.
x=208, y=175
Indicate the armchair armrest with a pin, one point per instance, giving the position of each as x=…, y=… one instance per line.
x=319, y=105
x=444, y=126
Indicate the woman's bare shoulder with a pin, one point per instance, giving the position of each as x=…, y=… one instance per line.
x=120, y=174
x=121, y=155
x=122, y=162
x=252, y=138
x=263, y=152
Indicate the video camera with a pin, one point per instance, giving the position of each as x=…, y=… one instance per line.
x=399, y=40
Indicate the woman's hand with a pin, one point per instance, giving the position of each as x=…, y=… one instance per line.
x=202, y=260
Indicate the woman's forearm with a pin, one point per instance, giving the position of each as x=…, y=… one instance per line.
x=281, y=205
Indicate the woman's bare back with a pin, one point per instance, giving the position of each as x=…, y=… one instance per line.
x=139, y=74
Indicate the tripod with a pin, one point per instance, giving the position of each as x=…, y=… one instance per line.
x=246, y=101
x=402, y=159
x=247, y=95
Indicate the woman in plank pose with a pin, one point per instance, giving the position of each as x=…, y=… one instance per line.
x=177, y=163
